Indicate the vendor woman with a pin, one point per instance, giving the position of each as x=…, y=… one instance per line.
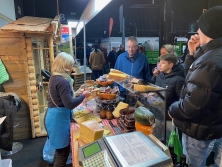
x=61, y=101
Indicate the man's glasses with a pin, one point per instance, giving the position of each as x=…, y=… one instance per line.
x=132, y=47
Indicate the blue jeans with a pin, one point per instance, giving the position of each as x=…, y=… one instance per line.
x=196, y=151
x=218, y=151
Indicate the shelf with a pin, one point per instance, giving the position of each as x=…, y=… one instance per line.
x=123, y=84
x=155, y=101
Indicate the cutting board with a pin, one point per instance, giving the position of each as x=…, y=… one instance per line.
x=87, y=117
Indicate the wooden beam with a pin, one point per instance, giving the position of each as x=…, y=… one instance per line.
x=51, y=51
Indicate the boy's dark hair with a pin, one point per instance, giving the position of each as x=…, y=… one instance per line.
x=170, y=58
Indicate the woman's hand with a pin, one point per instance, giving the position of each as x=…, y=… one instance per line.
x=86, y=93
x=156, y=72
x=78, y=92
x=193, y=43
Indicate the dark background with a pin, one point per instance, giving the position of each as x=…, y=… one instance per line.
x=148, y=18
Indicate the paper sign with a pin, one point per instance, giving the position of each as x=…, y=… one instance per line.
x=2, y=119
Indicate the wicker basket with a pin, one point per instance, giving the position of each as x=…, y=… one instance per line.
x=106, y=96
x=108, y=82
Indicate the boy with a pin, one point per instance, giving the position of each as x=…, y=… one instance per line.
x=170, y=77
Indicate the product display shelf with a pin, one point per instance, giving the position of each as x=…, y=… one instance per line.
x=155, y=101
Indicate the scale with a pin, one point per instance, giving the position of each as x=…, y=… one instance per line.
x=125, y=150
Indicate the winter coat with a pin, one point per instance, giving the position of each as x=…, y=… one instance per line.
x=111, y=58
x=180, y=70
x=96, y=60
x=198, y=113
x=174, y=82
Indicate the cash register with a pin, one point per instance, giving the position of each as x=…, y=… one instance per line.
x=125, y=150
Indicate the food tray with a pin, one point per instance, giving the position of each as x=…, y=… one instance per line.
x=108, y=82
x=106, y=96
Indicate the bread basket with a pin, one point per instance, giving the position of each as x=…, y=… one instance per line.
x=106, y=96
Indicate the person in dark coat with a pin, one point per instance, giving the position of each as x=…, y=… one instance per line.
x=120, y=51
x=198, y=112
x=80, y=54
x=165, y=49
x=170, y=77
x=112, y=57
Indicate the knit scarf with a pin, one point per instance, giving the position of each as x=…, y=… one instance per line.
x=68, y=78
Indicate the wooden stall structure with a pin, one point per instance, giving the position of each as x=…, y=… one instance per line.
x=26, y=47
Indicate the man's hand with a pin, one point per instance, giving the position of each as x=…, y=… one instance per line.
x=156, y=72
x=193, y=43
x=170, y=115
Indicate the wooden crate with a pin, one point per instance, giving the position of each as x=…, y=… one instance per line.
x=79, y=79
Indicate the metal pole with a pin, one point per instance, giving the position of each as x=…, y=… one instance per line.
x=123, y=32
x=84, y=41
x=58, y=7
x=75, y=46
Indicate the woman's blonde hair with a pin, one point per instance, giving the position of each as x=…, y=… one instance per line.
x=169, y=48
x=62, y=63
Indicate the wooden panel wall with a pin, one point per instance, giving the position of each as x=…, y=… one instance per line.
x=13, y=56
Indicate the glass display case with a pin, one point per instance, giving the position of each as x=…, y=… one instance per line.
x=154, y=100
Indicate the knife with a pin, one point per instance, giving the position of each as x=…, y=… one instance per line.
x=118, y=131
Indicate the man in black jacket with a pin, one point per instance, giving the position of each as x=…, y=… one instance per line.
x=198, y=113
x=112, y=58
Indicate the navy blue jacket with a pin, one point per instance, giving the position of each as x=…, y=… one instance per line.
x=139, y=68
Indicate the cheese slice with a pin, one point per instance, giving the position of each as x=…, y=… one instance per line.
x=106, y=132
x=119, y=107
x=144, y=88
x=90, y=131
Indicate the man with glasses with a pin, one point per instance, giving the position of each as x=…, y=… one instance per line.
x=133, y=63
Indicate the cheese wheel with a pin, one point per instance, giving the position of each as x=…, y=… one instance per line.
x=144, y=88
x=90, y=131
x=113, y=75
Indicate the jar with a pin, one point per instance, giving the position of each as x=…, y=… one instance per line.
x=102, y=112
x=109, y=113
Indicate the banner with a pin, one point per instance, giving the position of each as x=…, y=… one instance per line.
x=110, y=26
x=65, y=43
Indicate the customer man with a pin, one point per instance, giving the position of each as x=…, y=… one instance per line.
x=111, y=59
x=198, y=113
x=120, y=51
x=133, y=63
x=104, y=50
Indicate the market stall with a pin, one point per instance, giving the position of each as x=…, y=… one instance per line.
x=143, y=110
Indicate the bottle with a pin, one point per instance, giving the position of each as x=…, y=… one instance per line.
x=109, y=113
x=102, y=112
x=173, y=155
x=183, y=161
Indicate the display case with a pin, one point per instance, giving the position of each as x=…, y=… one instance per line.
x=154, y=100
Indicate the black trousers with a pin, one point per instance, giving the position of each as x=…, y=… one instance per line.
x=61, y=156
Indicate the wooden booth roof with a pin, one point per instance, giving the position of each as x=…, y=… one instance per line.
x=29, y=24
